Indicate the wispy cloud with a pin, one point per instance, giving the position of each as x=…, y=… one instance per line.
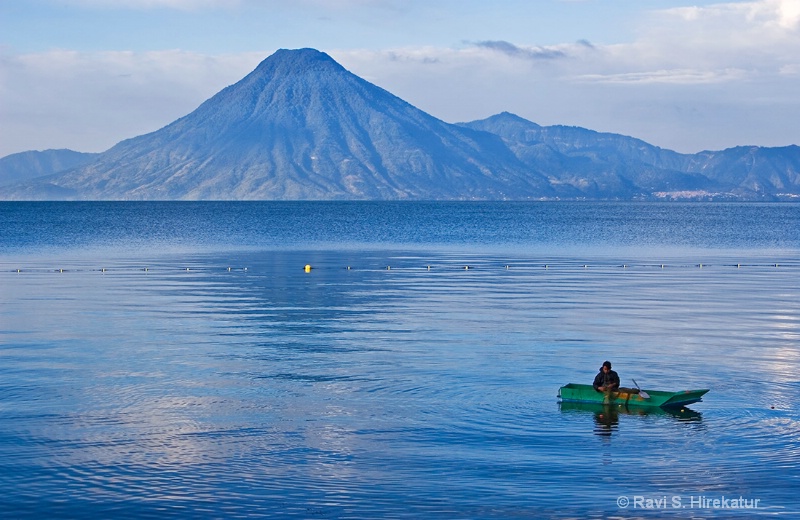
x=516, y=51
x=673, y=76
x=792, y=69
x=90, y=101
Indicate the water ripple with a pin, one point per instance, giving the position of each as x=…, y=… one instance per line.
x=397, y=392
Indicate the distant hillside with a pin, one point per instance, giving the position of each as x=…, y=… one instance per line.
x=603, y=165
x=301, y=127
x=753, y=171
x=590, y=164
x=26, y=166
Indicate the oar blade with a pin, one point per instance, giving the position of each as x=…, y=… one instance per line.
x=642, y=393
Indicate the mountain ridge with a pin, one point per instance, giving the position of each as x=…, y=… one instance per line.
x=302, y=127
x=28, y=165
x=606, y=159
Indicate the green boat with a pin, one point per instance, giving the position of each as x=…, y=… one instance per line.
x=575, y=393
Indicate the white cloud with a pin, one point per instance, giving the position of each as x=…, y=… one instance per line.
x=759, y=25
x=90, y=101
x=792, y=69
x=789, y=14
x=674, y=76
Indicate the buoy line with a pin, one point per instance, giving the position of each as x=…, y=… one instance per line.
x=455, y=266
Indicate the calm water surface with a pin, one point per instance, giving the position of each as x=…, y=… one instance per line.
x=175, y=359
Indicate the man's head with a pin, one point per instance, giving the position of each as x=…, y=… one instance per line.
x=606, y=366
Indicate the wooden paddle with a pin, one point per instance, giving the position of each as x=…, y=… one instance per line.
x=642, y=393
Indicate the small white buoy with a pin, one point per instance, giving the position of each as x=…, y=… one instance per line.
x=229, y=269
x=388, y=267
x=429, y=268
x=507, y=267
x=466, y=267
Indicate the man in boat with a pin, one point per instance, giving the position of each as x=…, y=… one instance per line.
x=606, y=380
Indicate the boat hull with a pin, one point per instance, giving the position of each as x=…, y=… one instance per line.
x=682, y=413
x=576, y=393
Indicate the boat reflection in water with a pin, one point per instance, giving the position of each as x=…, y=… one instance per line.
x=606, y=416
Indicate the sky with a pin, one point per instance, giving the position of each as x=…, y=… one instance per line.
x=684, y=75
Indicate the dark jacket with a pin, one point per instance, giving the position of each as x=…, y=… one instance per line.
x=605, y=379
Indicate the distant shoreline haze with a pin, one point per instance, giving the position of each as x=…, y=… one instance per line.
x=301, y=127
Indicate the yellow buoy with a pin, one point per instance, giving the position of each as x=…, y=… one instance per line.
x=307, y=268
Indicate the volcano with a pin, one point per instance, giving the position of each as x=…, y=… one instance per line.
x=302, y=127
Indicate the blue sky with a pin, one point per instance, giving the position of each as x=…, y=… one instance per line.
x=85, y=74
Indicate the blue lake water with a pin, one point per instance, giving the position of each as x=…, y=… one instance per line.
x=175, y=360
